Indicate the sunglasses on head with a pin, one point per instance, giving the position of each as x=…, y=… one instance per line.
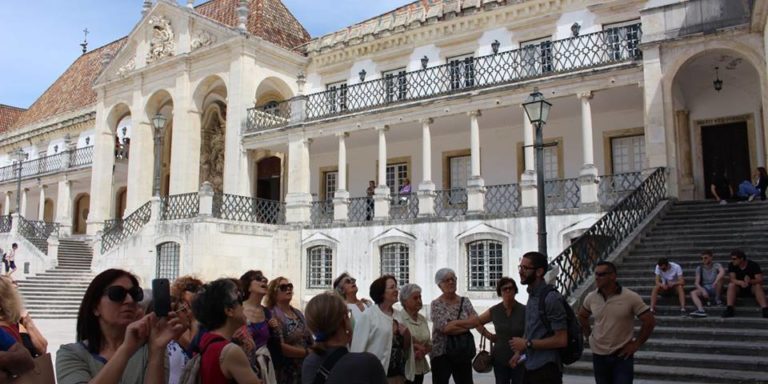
x=285, y=287
x=118, y=293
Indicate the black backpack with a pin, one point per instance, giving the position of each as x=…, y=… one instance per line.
x=572, y=352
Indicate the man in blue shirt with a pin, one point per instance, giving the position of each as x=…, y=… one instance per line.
x=542, y=365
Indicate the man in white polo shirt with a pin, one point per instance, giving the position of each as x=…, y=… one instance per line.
x=669, y=279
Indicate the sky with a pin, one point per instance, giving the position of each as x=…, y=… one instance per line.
x=39, y=39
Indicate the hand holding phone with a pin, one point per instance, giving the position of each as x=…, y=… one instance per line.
x=161, y=295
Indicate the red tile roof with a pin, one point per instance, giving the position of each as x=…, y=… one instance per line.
x=8, y=116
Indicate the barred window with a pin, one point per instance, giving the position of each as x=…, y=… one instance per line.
x=396, y=84
x=320, y=267
x=168, y=261
x=462, y=71
x=394, y=261
x=485, y=261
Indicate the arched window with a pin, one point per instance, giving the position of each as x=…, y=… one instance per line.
x=320, y=267
x=485, y=263
x=168, y=261
x=394, y=261
x=271, y=107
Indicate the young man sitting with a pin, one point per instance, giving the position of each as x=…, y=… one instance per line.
x=669, y=279
x=708, y=284
x=746, y=279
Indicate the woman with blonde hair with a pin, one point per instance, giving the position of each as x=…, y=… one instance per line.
x=295, y=337
x=15, y=320
x=328, y=318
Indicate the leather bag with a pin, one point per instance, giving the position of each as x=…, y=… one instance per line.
x=483, y=362
x=462, y=346
x=41, y=374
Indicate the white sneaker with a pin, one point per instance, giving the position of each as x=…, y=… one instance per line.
x=751, y=197
x=723, y=202
x=698, y=313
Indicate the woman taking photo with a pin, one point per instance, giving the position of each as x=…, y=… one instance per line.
x=328, y=318
x=183, y=291
x=256, y=337
x=295, y=337
x=451, y=315
x=346, y=286
x=218, y=307
x=112, y=346
x=508, y=319
x=410, y=299
x=379, y=333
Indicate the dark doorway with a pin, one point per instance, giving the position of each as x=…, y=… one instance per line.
x=725, y=150
x=268, y=178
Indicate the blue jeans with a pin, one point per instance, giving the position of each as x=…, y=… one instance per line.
x=612, y=369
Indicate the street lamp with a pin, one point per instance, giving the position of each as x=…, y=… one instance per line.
x=159, y=123
x=537, y=109
x=19, y=156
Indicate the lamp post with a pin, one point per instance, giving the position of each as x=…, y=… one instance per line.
x=19, y=155
x=537, y=109
x=159, y=123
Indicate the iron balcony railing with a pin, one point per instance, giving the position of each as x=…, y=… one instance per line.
x=610, y=46
x=126, y=228
x=451, y=203
x=613, y=188
x=577, y=262
x=404, y=206
x=321, y=212
x=562, y=194
x=183, y=206
x=502, y=200
x=5, y=223
x=360, y=209
x=37, y=232
x=77, y=158
x=248, y=209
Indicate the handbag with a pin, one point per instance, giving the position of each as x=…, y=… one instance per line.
x=461, y=346
x=41, y=374
x=483, y=362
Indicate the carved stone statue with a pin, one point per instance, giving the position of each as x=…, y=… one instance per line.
x=162, y=43
x=212, y=147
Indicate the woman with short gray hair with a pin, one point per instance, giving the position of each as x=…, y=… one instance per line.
x=451, y=315
x=410, y=298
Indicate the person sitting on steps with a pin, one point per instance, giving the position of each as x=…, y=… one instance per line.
x=746, y=279
x=669, y=279
x=708, y=283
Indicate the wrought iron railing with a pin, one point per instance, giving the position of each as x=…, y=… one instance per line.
x=248, y=209
x=182, y=206
x=502, y=200
x=321, y=212
x=269, y=116
x=37, y=232
x=48, y=164
x=613, y=45
x=360, y=209
x=562, y=194
x=451, y=203
x=126, y=228
x=108, y=224
x=81, y=156
x=613, y=188
x=404, y=206
x=5, y=223
x=577, y=261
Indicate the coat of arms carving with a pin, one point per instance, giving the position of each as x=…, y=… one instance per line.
x=162, y=43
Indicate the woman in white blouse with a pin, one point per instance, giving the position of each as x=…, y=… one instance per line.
x=410, y=298
x=346, y=286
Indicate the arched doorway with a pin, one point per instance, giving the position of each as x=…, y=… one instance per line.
x=82, y=207
x=48, y=211
x=120, y=202
x=268, y=171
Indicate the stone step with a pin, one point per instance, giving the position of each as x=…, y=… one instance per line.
x=703, y=231
x=671, y=308
x=684, y=244
x=756, y=235
x=64, y=272
x=683, y=373
x=694, y=359
x=717, y=347
x=58, y=314
x=743, y=324
x=700, y=333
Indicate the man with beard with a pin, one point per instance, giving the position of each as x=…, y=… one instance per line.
x=612, y=339
x=542, y=365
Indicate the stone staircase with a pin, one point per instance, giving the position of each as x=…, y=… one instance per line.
x=699, y=350
x=56, y=293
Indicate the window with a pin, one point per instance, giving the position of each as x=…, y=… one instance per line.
x=396, y=84
x=320, y=267
x=623, y=40
x=460, y=168
x=485, y=261
x=462, y=71
x=394, y=261
x=627, y=153
x=396, y=174
x=168, y=261
x=337, y=96
x=330, y=184
x=537, y=57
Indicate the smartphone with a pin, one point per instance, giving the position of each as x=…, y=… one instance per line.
x=161, y=296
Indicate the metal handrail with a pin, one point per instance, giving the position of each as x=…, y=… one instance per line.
x=248, y=209
x=126, y=228
x=37, y=232
x=6, y=221
x=181, y=206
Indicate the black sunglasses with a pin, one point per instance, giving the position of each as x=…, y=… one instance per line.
x=118, y=293
x=194, y=288
x=285, y=287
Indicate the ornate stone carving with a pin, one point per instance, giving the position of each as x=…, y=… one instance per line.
x=162, y=43
x=202, y=39
x=127, y=67
x=212, y=148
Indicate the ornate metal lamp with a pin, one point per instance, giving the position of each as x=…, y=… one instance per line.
x=537, y=108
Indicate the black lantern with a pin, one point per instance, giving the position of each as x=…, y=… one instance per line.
x=537, y=108
x=495, y=46
x=717, y=83
x=424, y=62
x=575, y=29
x=362, y=75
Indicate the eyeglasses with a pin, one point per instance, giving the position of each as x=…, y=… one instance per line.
x=524, y=267
x=118, y=293
x=350, y=280
x=507, y=288
x=449, y=280
x=285, y=287
x=191, y=288
x=602, y=274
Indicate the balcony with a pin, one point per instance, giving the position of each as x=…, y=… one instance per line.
x=67, y=160
x=694, y=17
x=608, y=47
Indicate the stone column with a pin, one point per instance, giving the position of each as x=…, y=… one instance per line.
x=185, y=146
x=23, y=209
x=64, y=207
x=341, y=196
x=298, y=200
x=101, y=171
x=7, y=205
x=475, y=184
x=381, y=196
x=657, y=151
x=241, y=88
x=426, y=193
x=205, y=209
x=685, y=161
x=141, y=158
x=588, y=175
x=528, y=178
x=41, y=204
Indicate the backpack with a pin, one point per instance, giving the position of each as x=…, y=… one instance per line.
x=572, y=352
x=191, y=373
x=325, y=370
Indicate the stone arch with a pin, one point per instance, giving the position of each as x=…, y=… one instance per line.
x=82, y=209
x=210, y=98
x=48, y=210
x=211, y=89
x=162, y=102
x=272, y=89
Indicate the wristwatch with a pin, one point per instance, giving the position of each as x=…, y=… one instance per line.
x=529, y=344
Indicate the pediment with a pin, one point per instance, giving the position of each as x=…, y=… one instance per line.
x=319, y=237
x=166, y=31
x=394, y=232
x=483, y=228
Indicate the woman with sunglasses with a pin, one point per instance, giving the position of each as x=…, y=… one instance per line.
x=379, y=332
x=183, y=291
x=257, y=337
x=112, y=346
x=346, y=286
x=328, y=318
x=508, y=319
x=295, y=337
x=218, y=307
